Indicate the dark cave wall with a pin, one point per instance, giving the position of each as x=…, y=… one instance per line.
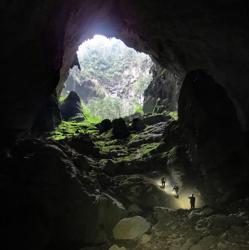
x=181, y=37
x=214, y=141
x=32, y=49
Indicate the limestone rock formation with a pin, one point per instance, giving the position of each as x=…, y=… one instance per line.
x=86, y=89
x=71, y=108
x=163, y=91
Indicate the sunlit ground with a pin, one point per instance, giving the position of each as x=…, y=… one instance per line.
x=182, y=201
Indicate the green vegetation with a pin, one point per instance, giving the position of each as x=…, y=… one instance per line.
x=88, y=114
x=62, y=98
x=108, y=107
x=121, y=151
x=148, y=148
x=139, y=109
x=108, y=60
x=70, y=129
x=114, y=76
x=174, y=115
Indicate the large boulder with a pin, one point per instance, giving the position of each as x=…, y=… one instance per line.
x=104, y=126
x=138, y=124
x=131, y=228
x=120, y=129
x=71, y=108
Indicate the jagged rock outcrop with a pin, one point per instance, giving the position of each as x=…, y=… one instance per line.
x=71, y=109
x=163, y=91
x=86, y=89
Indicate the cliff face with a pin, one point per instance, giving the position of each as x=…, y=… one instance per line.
x=110, y=70
x=163, y=91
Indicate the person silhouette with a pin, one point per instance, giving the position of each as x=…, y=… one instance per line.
x=176, y=189
x=192, y=201
x=163, y=182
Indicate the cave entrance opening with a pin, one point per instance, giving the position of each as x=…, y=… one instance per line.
x=109, y=77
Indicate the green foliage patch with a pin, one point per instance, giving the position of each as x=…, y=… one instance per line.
x=69, y=129
x=174, y=115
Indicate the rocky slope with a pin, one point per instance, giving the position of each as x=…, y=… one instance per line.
x=74, y=192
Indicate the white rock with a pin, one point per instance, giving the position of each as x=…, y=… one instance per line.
x=145, y=239
x=115, y=247
x=130, y=228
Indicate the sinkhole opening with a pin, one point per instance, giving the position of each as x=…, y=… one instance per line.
x=110, y=79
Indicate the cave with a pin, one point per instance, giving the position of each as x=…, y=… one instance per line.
x=128, y=183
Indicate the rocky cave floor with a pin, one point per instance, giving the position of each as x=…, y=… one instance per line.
x=92, y=181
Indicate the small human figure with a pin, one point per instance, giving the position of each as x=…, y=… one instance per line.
x=163, y=182
x=192, y=201
x=176, y=189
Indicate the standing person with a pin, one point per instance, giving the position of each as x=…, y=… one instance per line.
x=176, y=189
x=163, y=182
x=192, y=201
